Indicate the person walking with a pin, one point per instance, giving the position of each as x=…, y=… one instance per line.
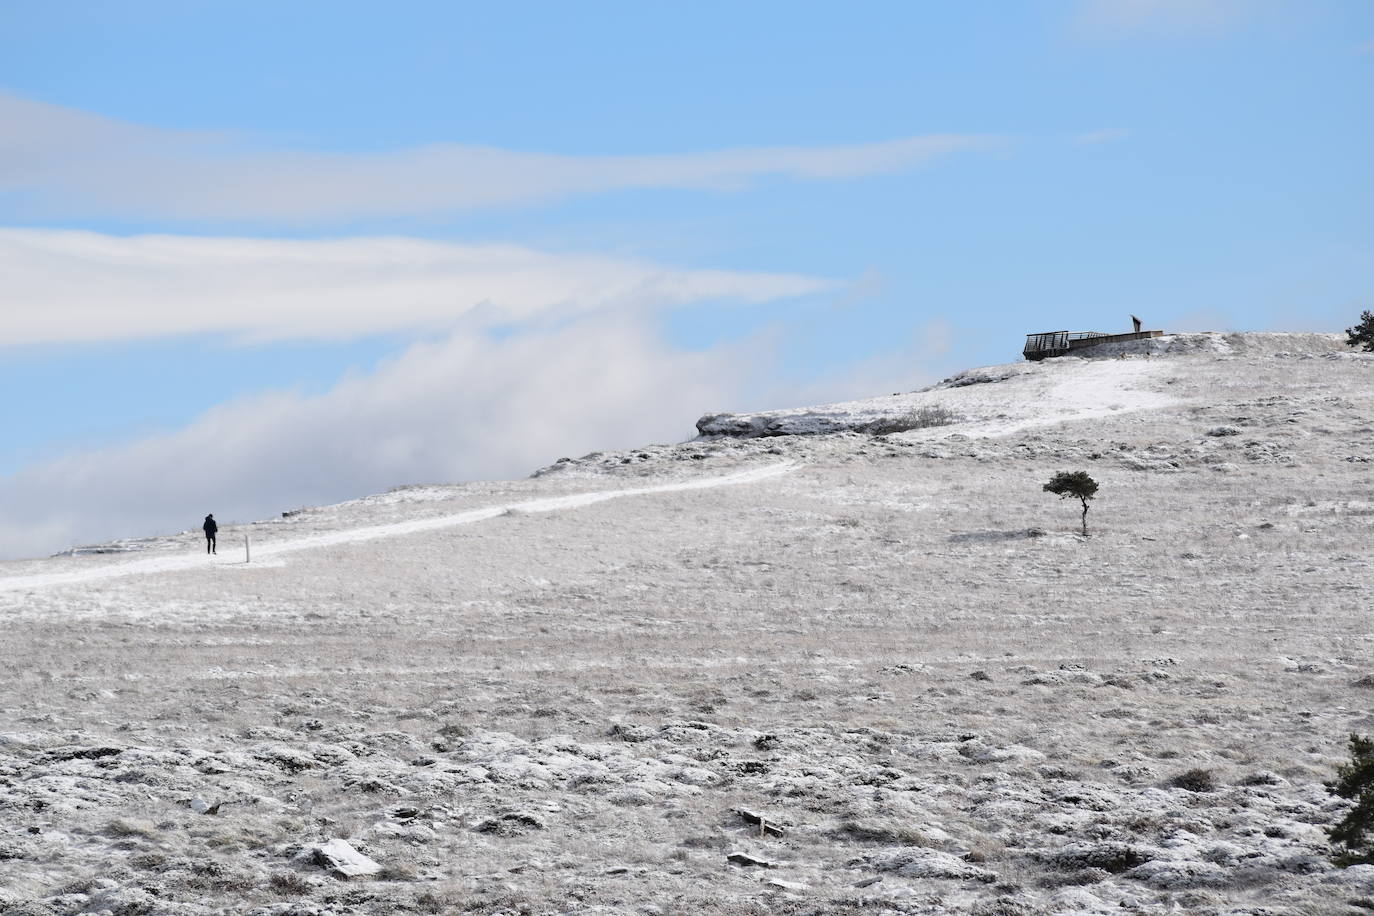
x=210, y=528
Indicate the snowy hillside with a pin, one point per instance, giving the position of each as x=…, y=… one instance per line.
x=1032, y=394
x=792, y=665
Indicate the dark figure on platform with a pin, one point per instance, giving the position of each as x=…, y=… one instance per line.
x=1136, y=321
x=210, y=528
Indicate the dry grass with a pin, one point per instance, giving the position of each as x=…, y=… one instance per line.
x=809, y=644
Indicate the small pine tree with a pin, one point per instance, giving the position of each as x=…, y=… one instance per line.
x=1074, y=485
x=1355, y=780
x=1362, y=334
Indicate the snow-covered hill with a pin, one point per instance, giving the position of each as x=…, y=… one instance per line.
x=1032, y=394
x=582, y=691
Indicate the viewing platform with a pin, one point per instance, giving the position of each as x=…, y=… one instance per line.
x=1060, y=343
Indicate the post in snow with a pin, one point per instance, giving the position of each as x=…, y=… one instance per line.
x=247, y=551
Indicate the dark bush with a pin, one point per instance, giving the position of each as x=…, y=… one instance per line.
x=1362, y=334
x=1195, y=780
x=1353, y=835
x=288, y=882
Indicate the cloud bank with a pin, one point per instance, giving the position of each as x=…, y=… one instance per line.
x=60, y=286
x=61, y=161
x=459, y=409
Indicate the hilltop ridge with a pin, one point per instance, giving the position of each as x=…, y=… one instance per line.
x=1063, y=388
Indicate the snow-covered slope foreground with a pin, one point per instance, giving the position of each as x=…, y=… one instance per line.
x=581, y=692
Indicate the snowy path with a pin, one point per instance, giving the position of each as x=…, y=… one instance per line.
x=354, y=535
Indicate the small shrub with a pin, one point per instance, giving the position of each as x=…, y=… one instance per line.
x=398, y=871
x=1355, y=780
x=289, y=883
x=148, y=860
x=1195, y=780
x=126, y=828
x=430, y=902
x=882, y=831
x=921, y=418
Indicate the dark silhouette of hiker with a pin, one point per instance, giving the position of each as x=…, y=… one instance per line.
x=210, y=528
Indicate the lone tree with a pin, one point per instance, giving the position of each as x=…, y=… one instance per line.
x=1355, y=780
x=1362, y=334
x=1074, y=485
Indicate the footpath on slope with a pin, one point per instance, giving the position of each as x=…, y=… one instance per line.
x=396, y=529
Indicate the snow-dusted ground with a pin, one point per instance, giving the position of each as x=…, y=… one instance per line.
x=274, y=549
x=558, y=694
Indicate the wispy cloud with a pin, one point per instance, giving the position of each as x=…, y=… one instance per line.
x=60, y=161
x=1106, y=135
x=61, y=286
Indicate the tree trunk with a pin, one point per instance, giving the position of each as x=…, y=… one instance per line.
x=1085, y=518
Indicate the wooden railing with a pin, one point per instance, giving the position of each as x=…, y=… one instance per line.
x=1057, y=343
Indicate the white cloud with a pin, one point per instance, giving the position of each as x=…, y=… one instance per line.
x=81, y=286
x=1106, y=135
x=1117, y=17
x=464, y=408
x=56, y=160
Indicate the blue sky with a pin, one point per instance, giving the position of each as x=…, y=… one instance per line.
x=218, y=217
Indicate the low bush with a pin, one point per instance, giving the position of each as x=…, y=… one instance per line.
x=921, y=418
x=1195, y=780
x=290, y=883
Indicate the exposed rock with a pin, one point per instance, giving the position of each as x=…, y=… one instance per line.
x=1170, y=875
x=343, y=861
x=748, y=861
x=83, y=753
x=915, y=862
x=511, y=824
x=633, y=734
x=26, y=908
x=1079, y=878
x=1112, y=857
